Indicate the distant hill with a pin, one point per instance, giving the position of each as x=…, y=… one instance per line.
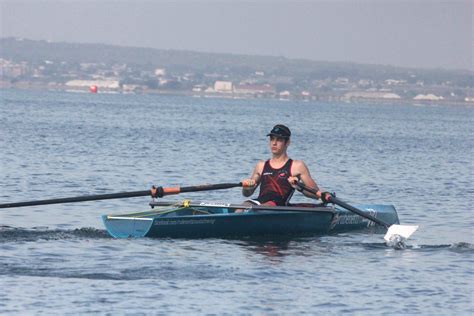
x=34, y=51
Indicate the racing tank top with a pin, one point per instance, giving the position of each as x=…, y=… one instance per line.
x=274, y=185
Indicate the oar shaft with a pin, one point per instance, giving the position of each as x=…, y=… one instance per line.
x=208, y=187
x=343, y=204
x=78, y=199
x=166, y=191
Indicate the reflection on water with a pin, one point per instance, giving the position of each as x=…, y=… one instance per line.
x=271, y=249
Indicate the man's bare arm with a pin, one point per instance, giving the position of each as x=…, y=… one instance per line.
x=253, y=181
x=301, y=172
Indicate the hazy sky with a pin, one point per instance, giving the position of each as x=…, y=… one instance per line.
x=429, y=34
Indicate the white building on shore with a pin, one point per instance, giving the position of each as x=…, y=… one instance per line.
x=223, y=87
x=107, y=84
x=428, y=97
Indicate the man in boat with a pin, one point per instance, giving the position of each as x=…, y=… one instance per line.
x=279, y=175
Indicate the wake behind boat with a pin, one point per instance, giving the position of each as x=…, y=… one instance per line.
x=205, y=220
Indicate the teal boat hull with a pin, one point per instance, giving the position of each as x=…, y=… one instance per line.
x=191, y=222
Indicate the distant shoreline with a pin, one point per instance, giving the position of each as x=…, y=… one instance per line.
x=41, y=65
x=327, y=99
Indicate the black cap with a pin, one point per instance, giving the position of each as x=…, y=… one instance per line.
x=280, y=131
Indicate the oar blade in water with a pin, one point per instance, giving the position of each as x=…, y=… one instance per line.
x=404, y=231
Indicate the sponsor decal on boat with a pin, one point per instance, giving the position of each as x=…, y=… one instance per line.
x=353, y=219
x=185, y=222
x=334, y=221
x=372, y=212
x=349, y=219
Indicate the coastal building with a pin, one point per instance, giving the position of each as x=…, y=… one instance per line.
x=427, y=97
x=284, y=95
x=254, y=90
x=160, y=72
x=199, y=88
x=223, y=86
x=128, y=88
x=469, y=99
x=394, y=82
x=11, y=69
x=101, y=84
x=350, y=96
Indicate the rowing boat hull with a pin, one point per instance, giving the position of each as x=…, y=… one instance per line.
x=183, y=224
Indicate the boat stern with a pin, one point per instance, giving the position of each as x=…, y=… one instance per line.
x=127, y=227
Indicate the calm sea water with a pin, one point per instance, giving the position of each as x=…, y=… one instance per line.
x=58, y=259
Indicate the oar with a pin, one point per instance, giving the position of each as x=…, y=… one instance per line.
x=164, y=191
x=404, y=231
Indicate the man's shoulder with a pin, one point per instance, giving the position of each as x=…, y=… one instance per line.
x=298, y=164
x=260, y=164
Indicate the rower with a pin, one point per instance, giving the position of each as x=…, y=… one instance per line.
x=279, y=175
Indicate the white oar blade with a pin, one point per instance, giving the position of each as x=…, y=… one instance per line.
x=404, y=231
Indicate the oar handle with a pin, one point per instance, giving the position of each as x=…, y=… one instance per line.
x=331, y=198
x=160, y=191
